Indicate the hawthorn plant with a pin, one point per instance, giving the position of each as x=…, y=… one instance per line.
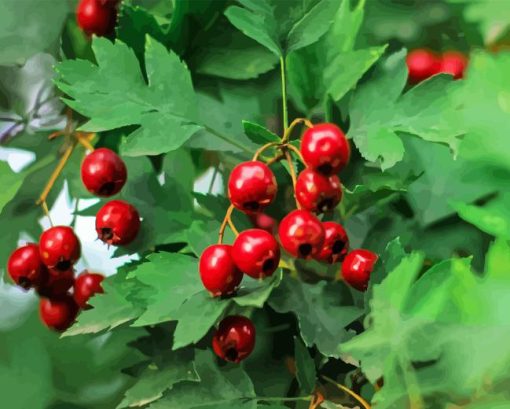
x=351, y=247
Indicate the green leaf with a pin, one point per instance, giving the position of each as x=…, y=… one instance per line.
x=159, y=377
x=196, y=316
x=114, y=95
x=305, y=367
x=255, y=293
x=323, y=311
x=258, y=134
x=226, y=387
x=11, y=182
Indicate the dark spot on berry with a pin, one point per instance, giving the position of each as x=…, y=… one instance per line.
x=305, y=249
x=326, y=204
x=325, y=169
x=63, y=265
x=268, y=265
x=231, y=354
x=106, y=234
x=106, y=189
x=338, y=246
x=24, y=283
x=251, y=205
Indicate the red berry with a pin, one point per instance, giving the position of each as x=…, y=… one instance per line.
x=325, y=148
x=58, y=313
x=85, y=286
x=234, y=339
x=316, y=192
x=455, y=63
x=336, y=243
x=264, y=222
x=422, y=64
x=256, y=253
x=96, y=16
x=57, y=283
x=25, y=266
x=251, y=186
x=218, y=271
x=357, y=267
x=301, y=234
x=103, y=172
x=59, y=248
x=117, y=223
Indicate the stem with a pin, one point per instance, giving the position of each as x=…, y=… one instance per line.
x=224, y=223
x=44, y=206
x=263, y=148
x=213, y=179
x=296, y=151
x=56, y=173
x=227, y=139
x=275, y=159
x=345, y=389
x=232, y=226
x=295, y=122
x=292, y=175
x=284, y=94
x=83, y=139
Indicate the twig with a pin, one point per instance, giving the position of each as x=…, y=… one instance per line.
x=226, y=220
x=83, y=139
x=44, y=206
x=292, y=175
x=296, y=151
x=295, y=122
x=261, y=150
x=351, y=393
x=275, y=159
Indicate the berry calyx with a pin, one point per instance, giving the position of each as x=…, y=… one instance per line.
x=103, y=172
x=454, y=63
x=256, y=253
x=218, y=271
x=422, y=64
x=57, y=283
x=357, y=267
x=234, y=339
x=316, y=192
x=85, y=286
x=117, y=223
x=59, y=248
x=301, y=234
x=25, y=266
x=336, y=243
x=96, y=16
x=264, y=222
x=251, y=186
x=58, y=313
x=325, y=148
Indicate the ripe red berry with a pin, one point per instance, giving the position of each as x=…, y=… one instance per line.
x=336, y=243
x=57, y=283
x=264, y=222
x=422, y=64
x=256, y=253
x=117, y=223
x=25, y=266
x=325, y=148
x=455, y=63
x=218, y=271
x=251, y=186
x=234, y=339
x=301, y=234
x=316, y=192
x=96, y=16
x=59, y=248
x=85, y=286
x=103, y=172
x=58, y=313
x=357, y=267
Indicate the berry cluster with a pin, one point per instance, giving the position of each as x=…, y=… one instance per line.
x=97, y=16
x=256, y=252
x=423, y=64
x=48, y=266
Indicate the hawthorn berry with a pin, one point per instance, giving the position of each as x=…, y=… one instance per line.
x=422, y=64
x=59, y=248
x=25, y=266
x=265, y=222
x=218, y=271
x=301, y=234
x=316, y=192
x=336, y=243
x=256, y=253
x=117, y=223
x=96, y=16
x=251, y=186
x=103, y=172
x=85, y=286
x=58, y=313
x=57, y=283
x=357, y=267
x=454, y=63
x=234, y=339
x=325, y=148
